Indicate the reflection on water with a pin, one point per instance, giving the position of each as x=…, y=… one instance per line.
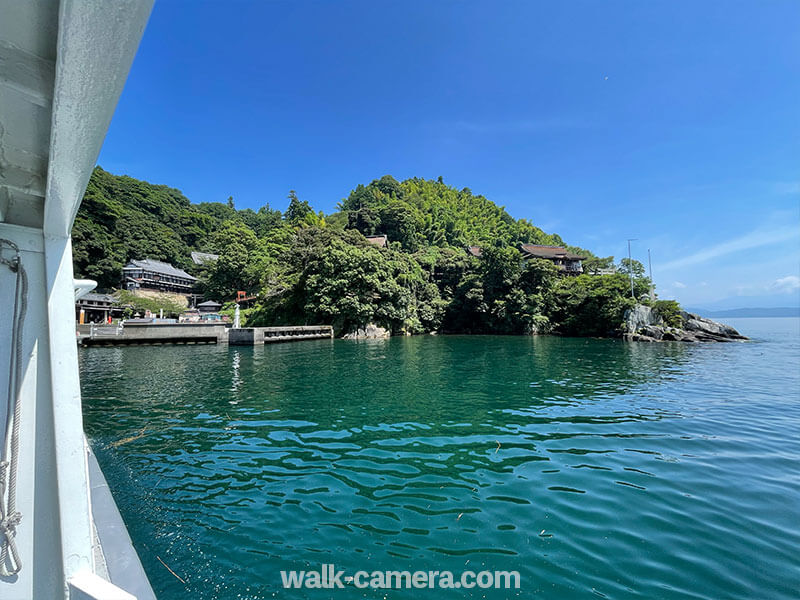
x=593, y=467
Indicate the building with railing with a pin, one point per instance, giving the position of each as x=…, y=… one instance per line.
x=149, y=274
x=96, y=308
x=566, y=262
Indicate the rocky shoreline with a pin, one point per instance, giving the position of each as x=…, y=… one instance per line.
x=643, y=324
x=370, y=332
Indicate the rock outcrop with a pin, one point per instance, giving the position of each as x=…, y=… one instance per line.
x=643, y=324
x=370, y=332
x=641, y=316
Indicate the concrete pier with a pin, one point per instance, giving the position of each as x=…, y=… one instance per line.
x=195, y=333
x=251, y=336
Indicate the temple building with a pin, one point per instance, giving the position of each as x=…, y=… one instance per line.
x=96, y=308
x=149, y=274
x=209, y=306
x=566, y=261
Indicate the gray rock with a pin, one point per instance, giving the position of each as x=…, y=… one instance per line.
x=652, y=331
x=370, y=332
x=643, y=324
x=638, y=337
x=640, y=316
x=710, y=328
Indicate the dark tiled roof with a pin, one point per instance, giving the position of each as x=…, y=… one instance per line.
x=156, y=266
x=94, y=297
x=538, y=251
x=209, y=303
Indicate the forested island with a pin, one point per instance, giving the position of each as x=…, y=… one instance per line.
x=307, y=267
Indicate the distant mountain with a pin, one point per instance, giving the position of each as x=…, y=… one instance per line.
x=784, y=311
x=773, y=300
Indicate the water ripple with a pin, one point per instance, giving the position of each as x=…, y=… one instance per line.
x=595, y=468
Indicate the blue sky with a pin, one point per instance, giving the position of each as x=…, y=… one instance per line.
x=677, y=123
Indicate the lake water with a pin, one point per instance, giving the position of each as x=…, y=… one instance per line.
x=595, y=468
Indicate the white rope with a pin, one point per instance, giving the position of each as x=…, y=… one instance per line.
x=10, y=517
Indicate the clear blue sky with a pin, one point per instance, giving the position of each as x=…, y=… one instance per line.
x=677, y=123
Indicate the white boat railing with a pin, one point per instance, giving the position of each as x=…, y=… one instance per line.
x=63, y=64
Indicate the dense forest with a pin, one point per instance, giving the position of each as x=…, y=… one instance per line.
x=306, y=267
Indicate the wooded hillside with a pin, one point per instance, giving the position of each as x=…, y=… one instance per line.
x=308, y=267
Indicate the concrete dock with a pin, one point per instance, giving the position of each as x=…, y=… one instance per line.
x=195, y=333
x=252, y=336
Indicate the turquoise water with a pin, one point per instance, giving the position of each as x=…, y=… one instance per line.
x=595, y=468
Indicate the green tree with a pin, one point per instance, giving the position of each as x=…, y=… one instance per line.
x=517, y=292
x=299, y=212
x=401, y=223
x=261, y=222
x=593, y=264
x=670, y=311
x=339, y=279
x=241, y=265
x=592, y=306
x=628, y=266
x=641, y=284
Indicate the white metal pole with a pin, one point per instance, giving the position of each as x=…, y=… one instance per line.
x=630, y=266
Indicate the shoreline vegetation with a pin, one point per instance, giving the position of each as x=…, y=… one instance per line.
x=306, y=267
